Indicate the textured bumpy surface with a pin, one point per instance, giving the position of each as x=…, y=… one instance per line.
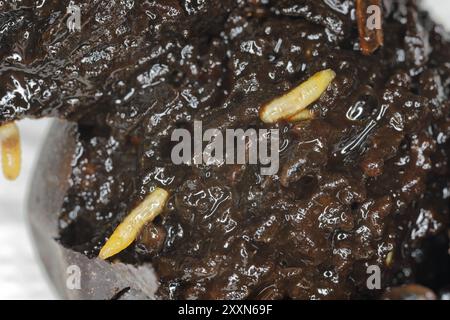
x=364, y=183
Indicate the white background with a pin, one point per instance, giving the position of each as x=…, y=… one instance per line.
x=21, y=276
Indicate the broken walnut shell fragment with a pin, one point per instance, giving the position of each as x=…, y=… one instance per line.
x=369, y=14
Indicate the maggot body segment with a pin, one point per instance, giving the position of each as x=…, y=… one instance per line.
x=11, y=150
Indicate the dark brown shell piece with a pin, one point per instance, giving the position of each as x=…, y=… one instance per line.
x=370, y=37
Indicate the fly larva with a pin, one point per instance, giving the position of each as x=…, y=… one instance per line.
x=127, y=232
x=298, y=99
x=11, y=151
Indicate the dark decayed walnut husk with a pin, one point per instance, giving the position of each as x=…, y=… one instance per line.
x=363, y=182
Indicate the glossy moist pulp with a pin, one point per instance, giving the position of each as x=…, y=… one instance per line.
x=364, y=183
